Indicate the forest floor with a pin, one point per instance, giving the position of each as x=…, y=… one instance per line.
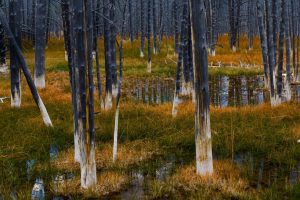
x=256, y=154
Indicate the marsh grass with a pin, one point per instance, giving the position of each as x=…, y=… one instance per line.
x=148, y=135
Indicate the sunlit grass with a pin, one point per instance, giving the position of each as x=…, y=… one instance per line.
x=148, y=134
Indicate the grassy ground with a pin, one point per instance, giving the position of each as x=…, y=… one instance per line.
x=149, y=137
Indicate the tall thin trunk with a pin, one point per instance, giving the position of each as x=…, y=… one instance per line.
x=107, y=40
x=65, y=4
x=113, y=37
x=25, y=70
x=154, y=27
x=263, y=40
x=203, y=142
x=116, y=128
x=14, y=15
x=142, y=29
x=271, y=56
x=2, y=43
x=280, y=50
x=40, y=43
x=88, y=165
x=178, y=83
x=149, y=65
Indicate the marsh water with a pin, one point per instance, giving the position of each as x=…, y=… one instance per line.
x=224, y=91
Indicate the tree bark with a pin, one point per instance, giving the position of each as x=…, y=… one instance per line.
x=203, y=142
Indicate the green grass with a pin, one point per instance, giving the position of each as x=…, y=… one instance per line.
x=149, y=136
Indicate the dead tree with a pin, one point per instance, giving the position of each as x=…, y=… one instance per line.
x=25, y=70
x=203, y=142
x=40, y=43
x=15, y=66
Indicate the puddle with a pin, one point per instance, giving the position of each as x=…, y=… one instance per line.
x=53, y=152
x=29, y=167
x=38, y=191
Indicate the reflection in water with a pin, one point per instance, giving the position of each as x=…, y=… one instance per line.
x=53, y=152
x=38, y=192
x=136, y=189
x=224, y=91
x=29, y=168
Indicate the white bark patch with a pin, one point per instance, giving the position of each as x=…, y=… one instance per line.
x=94, y=55
x=149, y=67
x=76, y=148
x=275, y=101
x=287, y=92
x=193, y=96
x=108, y=101
x=39, y=81
x=88, y=170
x=234, y=49
x=16, y=98
x=38, y=191
x=66, y=56
x=115, y=147
x=186, y=89
x=114, y=90
x=44, y=113
x=4, y=69
x=176, y=102
x=204, y=159
x=142, y=54
x=213, y=53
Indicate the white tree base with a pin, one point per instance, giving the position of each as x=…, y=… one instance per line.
x=108, y=101
x=115, y=147
x=149, y=67
x=275, y=101
x=94, y=55
x=66, y=56
x=44, y=113
x=176, y=102
x=287, y=92
x=88, y=171
x=4, y=69
x=142, y=54
x=40, y=82
x=77, y=157
x=16, y=99
x=186, y=89
x=204, y=159
x=114, y=90
x=213, y=53
x=234, y=49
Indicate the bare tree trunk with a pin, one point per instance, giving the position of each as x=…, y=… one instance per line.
x=280, y=51
x=271, y=56
x=2, y=43
x=107, y=40
x=40, y=43
x=154, y=27
x=288, y=53
x=113, y=33
x=149, y=65
x=65, y=4
x=203, y=142
x=176, y=31
x=116, y=128
x=88, y=164
x=263, y=40
x=183, y=33
x=25, y=70
x=142, y=29
x=15, y=67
